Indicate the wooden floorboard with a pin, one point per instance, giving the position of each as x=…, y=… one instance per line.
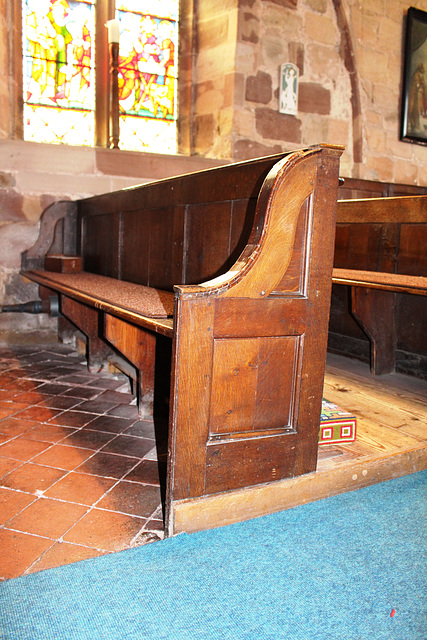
x=391, y=441
x=391, y=411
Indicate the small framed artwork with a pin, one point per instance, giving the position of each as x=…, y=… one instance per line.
x=414, y=98
x=288, y=89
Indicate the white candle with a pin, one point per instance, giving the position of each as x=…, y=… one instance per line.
x=113, y=31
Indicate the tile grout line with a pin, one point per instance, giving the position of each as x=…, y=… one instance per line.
x=38, y=383
x=41, y=496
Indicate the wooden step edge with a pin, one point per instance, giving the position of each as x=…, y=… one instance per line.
x=244, y=504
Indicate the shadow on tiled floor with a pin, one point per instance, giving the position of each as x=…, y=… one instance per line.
x=79, y=472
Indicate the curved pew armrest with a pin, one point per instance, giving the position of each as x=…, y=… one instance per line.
x=283, y=213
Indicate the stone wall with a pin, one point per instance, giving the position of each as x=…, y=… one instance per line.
x=32, y=176
x=378, y=35
x=305, y=34
x=349, y=54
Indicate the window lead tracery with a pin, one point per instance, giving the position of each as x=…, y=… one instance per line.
x=59, y=72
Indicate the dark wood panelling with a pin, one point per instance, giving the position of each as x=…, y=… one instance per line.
x=243, y=398
x=135, y=242
x=229, y=464
x=207, y=245
x=100, y=245
x=374, y=240
x=412, y=258
x=152, y=247
x=412, y=324
x=165, y=247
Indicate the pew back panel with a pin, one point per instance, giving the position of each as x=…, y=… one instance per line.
x=162, y=234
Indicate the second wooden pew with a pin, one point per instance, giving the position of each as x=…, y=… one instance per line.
x=400, y=262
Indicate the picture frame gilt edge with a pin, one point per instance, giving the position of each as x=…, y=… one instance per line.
x=413, y=15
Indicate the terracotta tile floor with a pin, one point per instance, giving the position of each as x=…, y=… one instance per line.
x=79, y=472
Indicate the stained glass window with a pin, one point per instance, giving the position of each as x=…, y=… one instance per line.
x=59, y=76
x=147, y=75
x=58, y=71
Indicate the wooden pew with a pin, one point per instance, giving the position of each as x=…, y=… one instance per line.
x=399, y=261
x=233, y=265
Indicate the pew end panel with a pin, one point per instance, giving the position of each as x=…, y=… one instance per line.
x=57, y=235
x=250, y=347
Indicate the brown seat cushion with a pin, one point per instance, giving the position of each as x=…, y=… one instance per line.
x=146, y=301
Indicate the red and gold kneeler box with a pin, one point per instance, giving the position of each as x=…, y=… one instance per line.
x=336, y=424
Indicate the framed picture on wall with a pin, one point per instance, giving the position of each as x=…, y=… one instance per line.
x=414, y=98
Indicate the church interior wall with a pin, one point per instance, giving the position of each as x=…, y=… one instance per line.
x=349, y=54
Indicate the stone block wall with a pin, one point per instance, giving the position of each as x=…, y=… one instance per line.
x=32, y=176
x=269, y=34
x=349, y=54
x=378, y=29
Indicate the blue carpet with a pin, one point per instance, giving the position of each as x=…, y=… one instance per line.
x=334, y=569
